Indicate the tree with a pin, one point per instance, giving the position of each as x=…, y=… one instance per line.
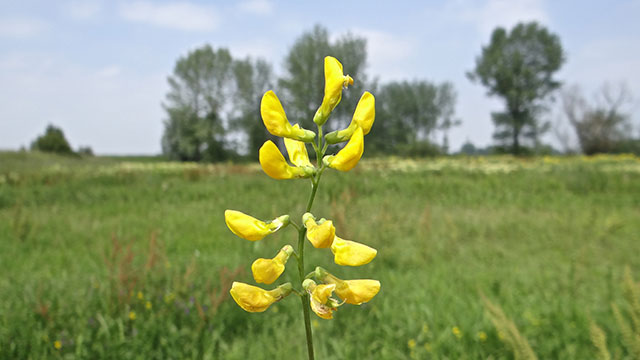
x=53, y=140
x=303, y=82
x=519, y=66
x=199, y=89
x=601, y=125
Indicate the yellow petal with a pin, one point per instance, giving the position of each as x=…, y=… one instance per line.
x=275, y=120
x=320, y=301
x=351, y=253
x=274, y=164
x=250, y=228
x=363, y=117
x=268, y=270
x=347, y=158
x=334, y=81
x=297, y=151
x=320, y=236
x=359, y=291
x=255, y=299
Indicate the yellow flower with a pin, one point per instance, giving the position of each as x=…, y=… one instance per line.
x=353, y=292
x=275, y=120
x=320, y=235
x=250, y=228
x=255, y=299
x=363, y=117
x=321, y=302
x=148, y=305
x=132, y=315
x=274, y=164
x=482, y=336
x=297, y=151
x=334, y=81
x=140, y=295
x=57, y=344
x=351, y=253
x=411, y=343
x=267, y=271
x=347, y=158
x=456, y=331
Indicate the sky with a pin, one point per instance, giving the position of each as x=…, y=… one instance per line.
x=98, y=69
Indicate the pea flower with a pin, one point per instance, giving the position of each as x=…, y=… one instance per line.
x=334, y=81
x=297, y=151
x=255, y=299
x=267, y=271
x=250, y=228
x=351, y=253
x=320, y=234
x=321, y=301
x=274, y=164
x=353, y=292
x=275, y=120
x=347, y=158
x=363, y=117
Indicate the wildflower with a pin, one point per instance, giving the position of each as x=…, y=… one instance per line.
x=347, y=158
x=363, y=118
x=250, y=228
x=132, y=315
x=353, y=292
x=275, y=120
x=148, y=305
x=57, y=345
x=268, y=270
x=140, y=295
x=456, y=331
x=334, y=81
x=411, y=343
x=351, y=253
x=320, y=234
x=255, y=299
x=482, y=336
x=425, y=328
x=297, y=151
x=321, y=301
x=274, y=164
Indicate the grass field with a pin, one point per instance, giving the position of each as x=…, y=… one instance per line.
x=105, y=258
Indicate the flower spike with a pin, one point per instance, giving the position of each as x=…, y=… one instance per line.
x=267, y=271
x=354, y=292
x=255, y=299
x=351, y=253
x=363, y=117
x=274, y=164
x=347, y=158
x=334, y=81
x=250, y=228
x=275, y=120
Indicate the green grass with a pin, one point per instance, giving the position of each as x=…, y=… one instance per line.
x=545, y=239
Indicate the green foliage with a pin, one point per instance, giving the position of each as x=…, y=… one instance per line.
x=52, y=140
x=508, y=332
x=518, y=66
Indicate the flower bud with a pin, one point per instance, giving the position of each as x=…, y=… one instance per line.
x=255, y=299
x=347, y=158
x=275, y=120
x=250, y=228
x=267, y=271
x=351, y=253
x=334, y=81
x=363, y=117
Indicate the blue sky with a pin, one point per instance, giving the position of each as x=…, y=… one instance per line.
x=98, y=68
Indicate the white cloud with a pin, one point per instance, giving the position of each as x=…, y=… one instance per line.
x=83, y=9
x=257, y=7
x=505, y=13
x=20, y=27
x=174, y=15
x=385, y=51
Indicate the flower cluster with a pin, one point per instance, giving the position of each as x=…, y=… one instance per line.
x=320, y=232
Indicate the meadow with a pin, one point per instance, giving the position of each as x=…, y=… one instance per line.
x=109, y=258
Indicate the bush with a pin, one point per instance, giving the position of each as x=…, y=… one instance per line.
x=53, y=141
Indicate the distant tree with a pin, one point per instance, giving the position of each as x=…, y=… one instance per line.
x=85, y=151
x=602, y=125
x=199, y=89
x=53, y=140
x=302, y=84
x=519, y=66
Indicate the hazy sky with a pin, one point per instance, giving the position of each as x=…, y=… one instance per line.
x=98, y=68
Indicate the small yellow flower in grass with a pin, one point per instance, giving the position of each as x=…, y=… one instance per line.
x=363, y=117
x=353, y=292
x=347, y=158
x=411, y=343
x=148, y=305
x=274, y=164
x=275, y=120
x=140, y=295
x=351, y=253
x=267, y=271
x=255, y=299
x=132, y=315
x=320, y=235
x=250, y=228
x=321, y=301
x=297, y=151
x=456, y=332
x=334, y=81
x=57, y=345
x=482, y=336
